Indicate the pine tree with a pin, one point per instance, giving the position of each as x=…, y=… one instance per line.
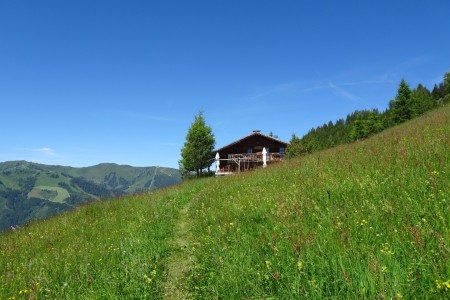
x=447, y=83
x=295, y=147
x=446, y=88
x=438, y=91
x=197, y=153
x=401, y=106
x=421, y=101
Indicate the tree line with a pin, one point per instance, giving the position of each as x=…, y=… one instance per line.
x=408, y=104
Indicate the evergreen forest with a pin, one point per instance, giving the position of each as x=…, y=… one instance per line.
x=408, y=104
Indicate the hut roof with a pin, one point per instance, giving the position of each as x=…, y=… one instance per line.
x=253, y=134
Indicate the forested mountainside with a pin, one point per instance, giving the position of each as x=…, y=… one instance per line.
x=31, y=191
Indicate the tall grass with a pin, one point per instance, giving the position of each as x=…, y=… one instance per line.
x=108, y=250
x=363, y=221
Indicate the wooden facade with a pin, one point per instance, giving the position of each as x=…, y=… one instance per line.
x=247, y=153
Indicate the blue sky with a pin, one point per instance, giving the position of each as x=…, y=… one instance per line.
x=85, y=82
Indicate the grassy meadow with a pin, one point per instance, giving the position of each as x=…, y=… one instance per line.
x=105, y=250
x=369, y=220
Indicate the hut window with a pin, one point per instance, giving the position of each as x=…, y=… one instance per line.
x=282, y=150
x=250, y=150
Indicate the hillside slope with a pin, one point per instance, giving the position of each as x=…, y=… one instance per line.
x=30, y=191
x=368, y=220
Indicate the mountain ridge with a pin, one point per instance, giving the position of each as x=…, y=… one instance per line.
x=30, y=191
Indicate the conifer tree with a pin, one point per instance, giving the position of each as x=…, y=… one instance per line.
x=447, y=83
x=401, y=108
x=446, y=88
x=295, y=147
x=421, y=101
x=198, y=149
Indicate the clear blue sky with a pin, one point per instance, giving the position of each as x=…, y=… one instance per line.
x=85, y=82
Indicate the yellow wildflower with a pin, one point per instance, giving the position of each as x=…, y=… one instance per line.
x=147, y=279
x=299, y=265
x=445, y=285
x=268, y=265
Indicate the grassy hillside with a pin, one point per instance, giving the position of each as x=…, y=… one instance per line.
x=30, y=191
x=368, y=220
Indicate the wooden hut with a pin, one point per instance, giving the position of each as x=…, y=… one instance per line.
x=247, y=153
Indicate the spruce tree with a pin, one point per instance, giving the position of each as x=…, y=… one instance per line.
x=421, y=101
x=446, y=88
x=295, y=147
x=198, y=149
x=401, y=106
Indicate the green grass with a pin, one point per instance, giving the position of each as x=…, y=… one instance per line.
x=97, y=251
x=51, y=193
x=363, y=221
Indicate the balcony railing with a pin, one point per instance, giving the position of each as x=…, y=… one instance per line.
x=256, y=157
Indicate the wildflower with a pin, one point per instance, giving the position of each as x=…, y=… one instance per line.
x=443, y=285
x=276, y=276
x=268, y=265
x=386, y=249
x=147, y=278
x=299, y=265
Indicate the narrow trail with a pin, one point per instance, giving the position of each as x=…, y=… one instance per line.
x=182, y=260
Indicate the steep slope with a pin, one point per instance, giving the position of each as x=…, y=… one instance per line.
x=368, y=220
x=363, y=221
x=34, y=191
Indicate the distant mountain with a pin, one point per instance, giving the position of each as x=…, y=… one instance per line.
x=30, y=191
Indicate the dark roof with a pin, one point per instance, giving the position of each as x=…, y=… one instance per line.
x=254, y=133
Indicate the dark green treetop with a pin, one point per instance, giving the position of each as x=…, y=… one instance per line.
x=401, y=109
x=198, y=148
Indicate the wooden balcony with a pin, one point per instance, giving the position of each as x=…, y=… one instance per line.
x=246, y=161
x=256, y=157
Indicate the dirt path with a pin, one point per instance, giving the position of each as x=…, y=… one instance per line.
x=181, y=261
